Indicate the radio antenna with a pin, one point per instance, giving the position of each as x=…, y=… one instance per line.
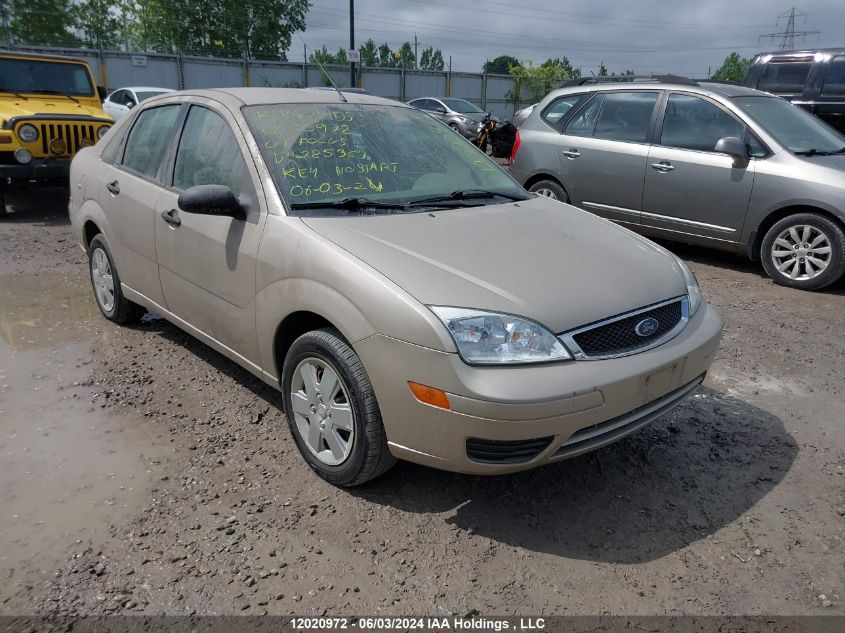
x=323, y=70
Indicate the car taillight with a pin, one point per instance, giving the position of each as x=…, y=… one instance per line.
x=515, y=148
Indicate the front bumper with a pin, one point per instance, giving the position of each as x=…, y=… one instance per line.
x=506, y=419
x=470, y=130
x=46, y=170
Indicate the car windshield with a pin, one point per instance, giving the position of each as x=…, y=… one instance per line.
x=794, y=128
x=461, y=105
x=37, y=75
x=325, y=157
x=148, y=94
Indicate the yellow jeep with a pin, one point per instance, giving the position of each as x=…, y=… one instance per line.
x=50, y=108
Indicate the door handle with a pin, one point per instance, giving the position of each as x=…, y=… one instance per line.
x=571, y=153
x=171, y=217
x=663, y=166
x=113, y=187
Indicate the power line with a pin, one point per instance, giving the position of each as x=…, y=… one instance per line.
x=788, y=36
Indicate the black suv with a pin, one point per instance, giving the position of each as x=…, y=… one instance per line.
x=812, y=79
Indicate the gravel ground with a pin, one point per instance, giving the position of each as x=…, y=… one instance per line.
x=144, y=473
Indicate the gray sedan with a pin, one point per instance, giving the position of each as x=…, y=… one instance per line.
x=713, y=164
x=460, y=115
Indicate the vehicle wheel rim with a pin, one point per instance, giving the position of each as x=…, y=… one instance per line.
x=101, y=276
x=546, y=193
x=801, y=252
x=322, y=411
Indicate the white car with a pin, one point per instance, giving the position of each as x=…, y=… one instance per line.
x=121, y=101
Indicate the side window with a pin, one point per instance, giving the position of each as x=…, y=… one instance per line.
x=117, y=97
x=417, y=103
x=756, y=149
x=584, y=121
x=148, y=139
x=625, y=116
x=560, y=108
x=834, y=83
x=209, y=153
x=435, y=106
x=785, y=77
x=694, y=123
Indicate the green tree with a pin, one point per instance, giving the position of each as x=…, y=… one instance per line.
x=531, y=83
x=501, y=65
x=40, y=22
x=405, y=56
x=563, y=68
x=431, y=59
x=732, y=69
x=98, y=23
x=385, y=56
x=369, y=53
x=325, y=56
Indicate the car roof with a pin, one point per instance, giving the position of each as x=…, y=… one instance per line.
x=44, y=56
x=801, y=52
x=145, y=89
x=237, y=97
x=703, y=87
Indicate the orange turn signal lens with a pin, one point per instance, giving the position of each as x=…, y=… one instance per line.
x=429, y=395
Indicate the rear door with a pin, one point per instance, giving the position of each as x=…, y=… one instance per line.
x=207, y=262
x=603, y=152
x=690, y=189
x=830, y=102
x=131, y=186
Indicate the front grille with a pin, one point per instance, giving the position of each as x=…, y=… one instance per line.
x=620, y=336
x=71, y=133
x=596, y=436
x=505, y=452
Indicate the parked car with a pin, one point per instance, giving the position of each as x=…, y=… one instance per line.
x=459, y=114
x=714, y=164
x=406, y=296
x=49, y=109
x=812, y=79
x=120, y=102
x=520, y=115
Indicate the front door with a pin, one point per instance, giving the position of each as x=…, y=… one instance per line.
x=692, y=191
x=130, y=188
x=603, y=152
x=207, y=262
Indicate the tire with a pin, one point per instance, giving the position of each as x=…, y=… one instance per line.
x=352, y=448
x=550, y=189
x=100, y=263
x=455, y=128
x=820, y=265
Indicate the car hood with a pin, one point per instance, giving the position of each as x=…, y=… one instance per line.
x=50, y=105
x=540, y=259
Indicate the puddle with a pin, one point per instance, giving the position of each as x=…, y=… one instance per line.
x=68, y=470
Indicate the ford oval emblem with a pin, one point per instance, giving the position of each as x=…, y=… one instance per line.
x=646, y=327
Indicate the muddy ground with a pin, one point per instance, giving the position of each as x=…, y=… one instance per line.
x=142, y=472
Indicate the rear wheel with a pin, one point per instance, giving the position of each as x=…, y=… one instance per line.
x=106, y=284
x=332, y=411
x=549, y=189
x=804, y=251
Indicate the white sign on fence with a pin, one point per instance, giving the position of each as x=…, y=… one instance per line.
x=353, y=55
x=139, y=60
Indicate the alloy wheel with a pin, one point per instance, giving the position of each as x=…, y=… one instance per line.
x=103, y=281
x=801, y=252
x=547, y=193
x=322, y=411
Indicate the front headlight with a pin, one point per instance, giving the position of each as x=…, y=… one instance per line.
x=466, y=120
x=693, y=291
x=102, y=131
x=28, y=133
x=488, y=338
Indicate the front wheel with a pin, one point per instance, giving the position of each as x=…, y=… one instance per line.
x=549, y=189
x=332, y=411
x=804, y=251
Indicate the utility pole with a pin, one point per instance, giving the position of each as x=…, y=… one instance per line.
x=352, y=81
x=415, y=51
x=787, y=37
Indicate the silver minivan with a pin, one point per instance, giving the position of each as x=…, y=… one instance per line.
x=714, y=164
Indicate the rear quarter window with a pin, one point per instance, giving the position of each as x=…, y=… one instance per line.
x=834, y=82
x=785, y=77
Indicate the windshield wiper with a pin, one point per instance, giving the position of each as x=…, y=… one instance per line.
x=348, y=204
x=17, y=94
x=820, y=152
x=467, y=194
x=55, y=92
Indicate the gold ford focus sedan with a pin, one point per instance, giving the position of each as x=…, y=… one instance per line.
x=407, y=297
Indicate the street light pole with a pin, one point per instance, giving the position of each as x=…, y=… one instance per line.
x=351, y=41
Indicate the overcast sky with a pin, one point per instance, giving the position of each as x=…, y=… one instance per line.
x=682, y=36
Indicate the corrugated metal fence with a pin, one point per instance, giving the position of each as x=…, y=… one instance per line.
x=115, y=69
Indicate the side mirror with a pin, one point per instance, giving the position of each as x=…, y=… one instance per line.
x=130, y=104
x=102, y=93
x=735, y=148
x=440, y=110
x=211, y=200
